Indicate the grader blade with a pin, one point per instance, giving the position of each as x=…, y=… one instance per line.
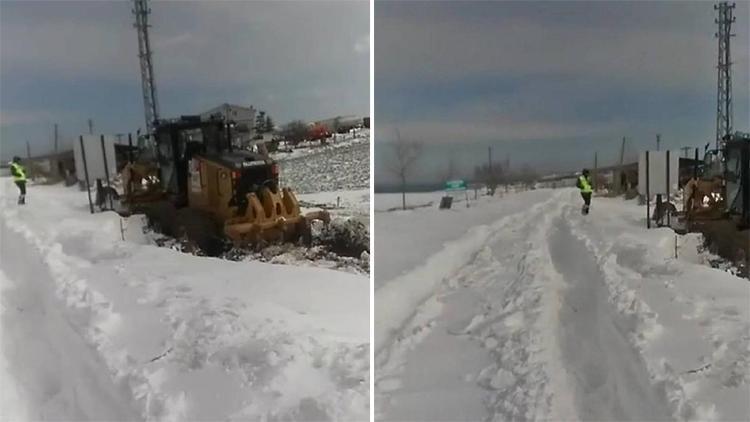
x=272, y=217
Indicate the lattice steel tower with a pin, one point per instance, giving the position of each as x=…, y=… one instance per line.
x=724, y=86
x=141, y=10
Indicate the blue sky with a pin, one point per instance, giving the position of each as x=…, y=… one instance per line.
x=68, y=61
x=548, y=83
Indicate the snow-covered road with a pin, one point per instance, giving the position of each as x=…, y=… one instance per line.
x=54, y=374
x=98, y=323
x=545, y=314
x=608, y=378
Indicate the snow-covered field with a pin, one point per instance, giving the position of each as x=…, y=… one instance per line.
x=410, y=237
x=95, y=327
x=343, y=203
x=519, y=308
x=345, y=167
x=336, y=141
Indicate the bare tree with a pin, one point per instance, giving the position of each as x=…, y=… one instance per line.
x=406, y=154
x=490, y=177
x=260, y=123
x=295, y=132
x=336, y=125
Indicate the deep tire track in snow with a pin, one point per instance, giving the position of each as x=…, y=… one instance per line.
x=608, y=377
x=59, y=376
x=523, y=331
x=468, y=353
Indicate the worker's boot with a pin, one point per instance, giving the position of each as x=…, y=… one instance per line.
x=21, y=199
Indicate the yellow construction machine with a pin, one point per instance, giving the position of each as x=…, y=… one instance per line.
x=193, y=184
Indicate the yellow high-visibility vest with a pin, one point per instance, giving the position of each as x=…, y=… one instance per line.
x=18, y=172
x=585, y=186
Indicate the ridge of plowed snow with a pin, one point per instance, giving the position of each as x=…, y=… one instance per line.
x=179, y=336
x=564, y=317
x=395, y=302
x=473, y=315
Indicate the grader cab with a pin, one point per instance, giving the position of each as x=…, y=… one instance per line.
x=722, y=186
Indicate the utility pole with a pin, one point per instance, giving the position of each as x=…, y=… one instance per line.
x=724, y=77
x=685, y=151
x=28, y=149
x=658, y=196
x=490, y=176
x=55, y=138
x=596, y=171
x=91, y=127
x=618, y=182
x=489, y=159
x=507, y=170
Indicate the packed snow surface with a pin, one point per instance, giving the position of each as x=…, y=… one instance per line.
x=541, y=313
x=95, y=327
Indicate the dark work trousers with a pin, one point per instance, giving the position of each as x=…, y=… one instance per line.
x=22, y=188
x=586, y=198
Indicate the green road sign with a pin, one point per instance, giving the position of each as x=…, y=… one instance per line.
x=455, y=185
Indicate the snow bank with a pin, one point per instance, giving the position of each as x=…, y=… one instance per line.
x=344, y=204
x=689, y=322
x=493, y=319
x=393, y=201
x=12, y=406
x=193, y=338
x=547, y=314
x=396, y=301
x=405, y=239
x=340, y=202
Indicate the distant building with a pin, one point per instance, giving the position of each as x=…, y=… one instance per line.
x=52, y=167
x=243, y=117
x=341, y=124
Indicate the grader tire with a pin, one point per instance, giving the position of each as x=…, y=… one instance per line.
x=200, y=229
x=161, y=217
x=304, y=231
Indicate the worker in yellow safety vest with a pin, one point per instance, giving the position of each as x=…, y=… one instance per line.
x=19, y=177
x=584, y=184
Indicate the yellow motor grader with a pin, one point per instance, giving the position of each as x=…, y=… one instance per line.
x=194, y=184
